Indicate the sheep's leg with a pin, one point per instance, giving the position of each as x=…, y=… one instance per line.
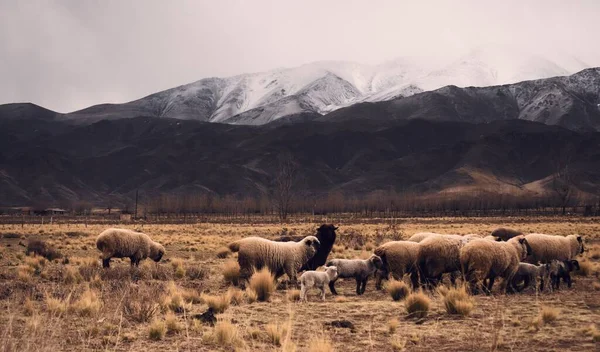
x=322, y=292
x=568, y=281
x=358, y=282
x=106, y=263
x=364, y=286
x=303, y=293
x=332, y=287
x=132, y=261
x=414, y=279
x=380, y=276
x=490, y=284
x=453, y=276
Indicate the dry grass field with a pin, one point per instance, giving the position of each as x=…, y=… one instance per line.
x=77, y=305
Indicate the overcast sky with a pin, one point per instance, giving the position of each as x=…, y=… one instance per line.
x=67, y=55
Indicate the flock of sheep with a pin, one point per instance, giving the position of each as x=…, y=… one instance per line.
x=522, y=260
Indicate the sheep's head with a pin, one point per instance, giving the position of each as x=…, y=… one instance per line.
x=376, y=260
x=332, y=272
x=525, y=248
x=157, y=251
x=580, y=242
x=312, y=244
x=572, y=265
x=326, y=234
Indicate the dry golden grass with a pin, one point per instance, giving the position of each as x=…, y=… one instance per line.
x=231, y=272
x=548, y=314
x=88, y=304
x=417, y=305
x=275, y=333
x=157, y=330
x=457, y=301
x=398, y=290
x=262, y=283
x=293, y=295
x=218, y=303
x=43, y=310
x=320, y=344
x=226, y=334
x=585, y=268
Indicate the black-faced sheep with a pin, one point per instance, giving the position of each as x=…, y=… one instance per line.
x=505, y=234
x=356, y=268
x=486, y=260
x=562, y=270
x=317, y=279
x=545, y=248
x=528, y=274
x=398, y=258
x=123, y=243
x=279, y=257
x=326, y=236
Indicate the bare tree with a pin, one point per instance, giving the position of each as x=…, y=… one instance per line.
x=284, y=183
x=562, y=182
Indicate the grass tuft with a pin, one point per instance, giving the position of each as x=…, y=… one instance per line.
x=231, y=272
x=457, y=301
x=398, y=290
x=157, y=330
x=263, y=283
x=417, y=305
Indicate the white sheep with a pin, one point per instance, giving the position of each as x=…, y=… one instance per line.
x=279, y=257
x=124, y=243
x=358, y=269
x=545, y=248
x=528, y=274
x=486, y=260
x=398, y=258
x=316, y=279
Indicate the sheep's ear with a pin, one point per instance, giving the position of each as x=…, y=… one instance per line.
x=579, y=239
x=308, y=242
x=521, y=240
x=335, y=228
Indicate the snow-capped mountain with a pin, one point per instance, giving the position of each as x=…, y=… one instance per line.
x=322, y=87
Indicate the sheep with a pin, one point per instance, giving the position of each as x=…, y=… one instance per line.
x=123, y=243
x=279, y=257
x=398, y=258
x=356, y=268
x=420, y=236
x=505, y=234
x=529, y=273
x=492, y=238
x=438, y=255
x=41, y=248
x=326, y=236
x=317, y=279
x=482, y=259
x=562, y=269
x=546, y=248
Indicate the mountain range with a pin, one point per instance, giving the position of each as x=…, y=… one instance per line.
x=323, y=87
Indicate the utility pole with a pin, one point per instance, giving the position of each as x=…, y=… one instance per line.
x=136, y=203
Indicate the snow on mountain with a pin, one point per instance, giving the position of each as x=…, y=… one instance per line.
x=325, y=86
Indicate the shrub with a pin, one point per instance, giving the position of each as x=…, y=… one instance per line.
x=56, y=305
x=417, y=305
x=70, y=275
x=218, y=303
x=263, y=283
x=141, y=305
x=172, y=324
x=251, y=295
x=275, y=333
x=549, y=315
x=88, y=304
x=178, y=269
x=457, y=301
x=235, y=295
x=157, y=330
x=585, y=268
x=195, y=273
x=398, y=290
x=231, y=272
x=28, y=307
x=225, y=334
x=398, y=344
x=223, y=252
x=393, y=325
x=320, y=344
x=293, y=295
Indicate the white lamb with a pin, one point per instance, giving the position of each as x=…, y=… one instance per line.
x=317, y=279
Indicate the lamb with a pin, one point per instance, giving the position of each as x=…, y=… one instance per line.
x=398, y=258
x=505, y=234
x=562, y=270
x=546, y=248
x=529, y=273
x=326, y=236
x=123, y=243
x=279, y=257
x=356, y=268
x=483, y=259
x=317, y=279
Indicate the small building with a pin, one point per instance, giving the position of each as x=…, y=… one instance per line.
x=51, y=211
